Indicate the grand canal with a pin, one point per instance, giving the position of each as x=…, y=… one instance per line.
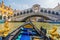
x=47, y=26
x=14, y=25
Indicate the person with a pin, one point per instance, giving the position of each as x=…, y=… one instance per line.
x=43, y=30
x=43, y=33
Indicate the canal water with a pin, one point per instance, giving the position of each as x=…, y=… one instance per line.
x=1, y=21
x=25, y=35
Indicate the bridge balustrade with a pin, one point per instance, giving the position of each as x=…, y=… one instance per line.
x=43, y=11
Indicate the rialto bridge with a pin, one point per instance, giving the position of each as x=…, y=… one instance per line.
x=36, y=10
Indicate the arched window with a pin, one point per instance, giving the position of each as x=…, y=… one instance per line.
x=31, y=10
x=17, y=14
x=27, y=11
x=14, y=14
x=45, y=11
x=8, y=17
x=20, y=13
x=24, y=12
x=53, y=12
x=41, y=10
x=57, y=13
x=49, y=11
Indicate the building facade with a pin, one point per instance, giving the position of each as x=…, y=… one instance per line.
x=5, y=11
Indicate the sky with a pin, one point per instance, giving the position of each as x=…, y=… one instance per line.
x=25, y=4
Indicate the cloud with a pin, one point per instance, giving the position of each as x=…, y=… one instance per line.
x=23, y=4
x=47, y=3
x=20, y=6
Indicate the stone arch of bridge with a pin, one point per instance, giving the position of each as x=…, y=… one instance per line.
x=45, y=17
